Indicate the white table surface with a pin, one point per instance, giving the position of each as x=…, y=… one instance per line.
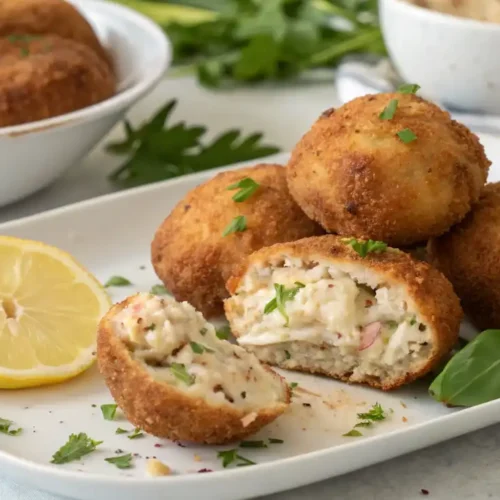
x=463, y=468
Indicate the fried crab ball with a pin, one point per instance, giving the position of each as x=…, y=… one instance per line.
x=356, y=176
x=49, y=76
x=209, y=231
x=469, y=256
x=317, y=305
x=173, y=377
x=48, y=17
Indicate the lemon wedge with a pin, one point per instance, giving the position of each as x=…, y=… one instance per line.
x=49, y=310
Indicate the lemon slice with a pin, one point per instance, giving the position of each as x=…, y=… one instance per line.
x=49, y=310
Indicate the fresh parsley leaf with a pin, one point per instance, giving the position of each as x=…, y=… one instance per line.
x=287, y=355
x=122, y=461
x=121, y=431
x=136, y=434
x=77, y=446
x=283, y=295
x=364, y=423
x=117, y=281
x=406, y=135
x=243, y=462
x=293, y=385
x=392, y=324
x=180, y=372
x=352, y=433
x=374, y=414
x=390, y=110
x=408, y=88
x=159, y=290
x=237, y=225
x=230, y=456
x=364, y=247
x=109, y=411
x=247, y=188
x=199, y=348
x=413, y=321
x=157, y=150
x=253, y=444
x=223, y=332
x=276, y=441
x=5, y=428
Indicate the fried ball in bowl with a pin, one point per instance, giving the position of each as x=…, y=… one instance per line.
x=194, y=251
x=354, y=175
x=46, y=76
x=469, y=255
x=173, y=377
x=48, y=17
x=317, y=305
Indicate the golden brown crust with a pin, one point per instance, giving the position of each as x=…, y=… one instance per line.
x=469, y=255
x=49, y=17
x=431, y=292
x=353, y=175
x=49, y=76
x=191, y=256
x=161, y=409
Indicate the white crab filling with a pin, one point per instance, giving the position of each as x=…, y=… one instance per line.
x=177, y=346
x=343, y=305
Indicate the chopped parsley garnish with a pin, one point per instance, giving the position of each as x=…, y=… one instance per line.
x=121, y=431
x=22, y=38
x=159, y=290
x=237, y=225
x=246, y=186
x=352, y=433
x=109, y=411
x=406, y=135
x=253, y=444
x=408, y=88
x=230, y=456
x=392, y=324
x=77, y=446
x=136, y=434
x=364, y=247
x=375, y=414
x=5, y=428
x=276, y=441
x=413, y=321
x=122, y=462
x=287, y=355
x=199, y=348
x=223, y=332
x=203, y=331
x=179, y=370
x=293, y=385
x=117, y=281
x=283, y=295
x=390, y=110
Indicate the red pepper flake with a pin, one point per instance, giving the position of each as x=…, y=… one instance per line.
x=158, y=445
x=368, y=303
x=424, y=492
x=205, y=470
x=331, y=286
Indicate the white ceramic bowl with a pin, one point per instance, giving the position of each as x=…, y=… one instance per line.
x=455, y=60
x=33, y=155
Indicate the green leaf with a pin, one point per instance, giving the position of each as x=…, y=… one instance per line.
x=125, y=146
x=227, y=456
x=117, y=281
x=77, y=446
x=293, y=385
x=137, y=434
x=406, y=135
x=408, y=88
x=352, y=433
x=276, y=441
x=237, y=225
x=374, y=414
x=472, y=376
x=363, y=248
x=247, y=188
x=268, y=20
x=159, y=290
x=121, y=431
x=5, y=428
x=270, y=306
x=283, y=295
x=390, y=110
x=122, y=461
x=199, y=348
x=258, y=59
x=109, y=411
x=253, y=444
x=180, y=372
x=223, y=333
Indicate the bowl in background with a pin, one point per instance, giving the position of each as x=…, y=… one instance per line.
x=453, y=59
x=35, y=154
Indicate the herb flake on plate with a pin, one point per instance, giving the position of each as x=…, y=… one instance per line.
x=229, y=457
x=122, y=462
x=136, y=434
x=159, y=290
x=109, y=411
x=5, y=428
x=117, y=281
x=77, y=446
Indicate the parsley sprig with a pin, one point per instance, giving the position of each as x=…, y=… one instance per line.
x=109, y=411
x=122, y=461
x=231, y=456
x=180, y=372
x=5, y=428
x=78, y=445
x=375, y=414
x=237, y=225
x=364, y=247
x=283, y=295
x=157, y=150
x=246, y=187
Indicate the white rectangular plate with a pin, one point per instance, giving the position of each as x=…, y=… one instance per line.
x=111, y=235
